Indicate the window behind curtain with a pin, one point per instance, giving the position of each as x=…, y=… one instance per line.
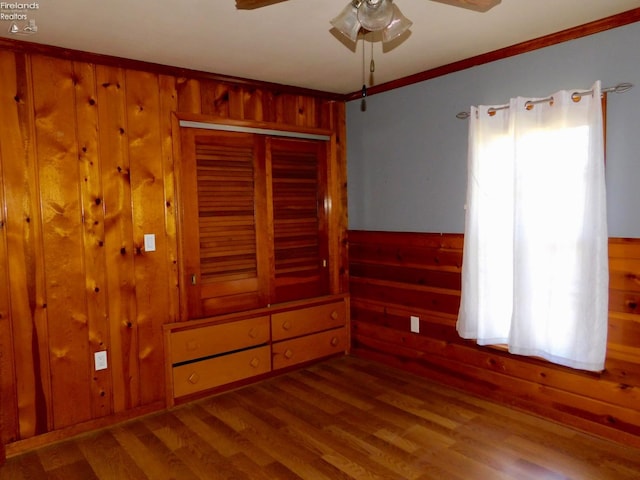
x=535, y=273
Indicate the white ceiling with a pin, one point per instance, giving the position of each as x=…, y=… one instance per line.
x=291, y=42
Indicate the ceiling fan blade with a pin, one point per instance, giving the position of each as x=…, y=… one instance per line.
x=253, y=4
x=477, y=5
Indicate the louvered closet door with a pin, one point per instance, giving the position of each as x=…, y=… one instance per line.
x=224, y=227
x=298, y=183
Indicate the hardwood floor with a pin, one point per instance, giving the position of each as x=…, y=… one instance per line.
x=343, y=418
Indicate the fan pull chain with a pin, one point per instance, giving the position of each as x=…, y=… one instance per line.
x=372, y=64
x=363, y=102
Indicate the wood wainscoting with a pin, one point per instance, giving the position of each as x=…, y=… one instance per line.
x=396, y=275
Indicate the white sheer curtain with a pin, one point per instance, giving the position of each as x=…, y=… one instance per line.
x=535, y=266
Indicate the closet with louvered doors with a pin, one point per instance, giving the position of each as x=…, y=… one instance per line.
x=224, y=230
x=256, y=255
x=253, y=220
x=298, y=171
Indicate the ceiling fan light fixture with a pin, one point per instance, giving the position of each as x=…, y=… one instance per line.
x=375, y=15
x=372, y=16
x=398, y=25
x=347, y=21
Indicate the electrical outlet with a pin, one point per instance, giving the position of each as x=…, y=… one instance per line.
x=100, y=360
x=415, y=324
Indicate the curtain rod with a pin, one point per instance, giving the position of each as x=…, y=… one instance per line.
x=619, y=88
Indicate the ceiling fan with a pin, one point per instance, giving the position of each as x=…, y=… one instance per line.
x=374, y=15
x=478, y=5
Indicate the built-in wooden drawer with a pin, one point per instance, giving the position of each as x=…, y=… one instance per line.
x=310, y=347
x=213, y=372
x=215, y=339
x=295, y=323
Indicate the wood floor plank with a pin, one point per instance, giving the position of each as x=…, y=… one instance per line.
x=23, y=467
x=79, y=470
x=59, y=455
x=194, y=451
x=222, y=444
x=345, y=418
x=259, y=433
x=108, y=459
x=156, y=466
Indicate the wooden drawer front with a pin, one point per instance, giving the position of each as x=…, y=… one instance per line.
x=295, y=323
x=206, y=374
x=215, y=339
x=304, y=349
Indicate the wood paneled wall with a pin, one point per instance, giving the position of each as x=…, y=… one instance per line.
x=86, y=169
x=396, y=275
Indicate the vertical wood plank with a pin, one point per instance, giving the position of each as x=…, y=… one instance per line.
x=236, y=102
x=114, y=159
x=215, y=99
x=8, y=394
x=252, y=104
x=189, y=264
x=269, y=105
x=24, y=252
x=169, y=104
x=326, y=113
x=147, y=193
x=188, y=93
x=337, y=123
x=56, y=142
x=307, y=111
x=286, y=108
x=93, y=233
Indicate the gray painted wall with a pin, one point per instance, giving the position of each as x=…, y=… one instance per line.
x=407, y=152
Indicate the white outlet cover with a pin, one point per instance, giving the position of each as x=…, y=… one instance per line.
x=415, y=324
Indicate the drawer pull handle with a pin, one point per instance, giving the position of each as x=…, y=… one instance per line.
x=334, y=314
x=254, y=362
x=288, y=354
x=194, y=378
x=286, y=325
x=334, y=341
x=253, y=333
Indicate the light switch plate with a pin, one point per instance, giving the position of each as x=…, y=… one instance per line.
x=149, y=242
x=100, y=360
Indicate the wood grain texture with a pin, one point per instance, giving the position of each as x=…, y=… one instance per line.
x=334, y=117
x=151, y=269
x=343, y=418
x=168, y=104
x=119, y=251
x=396, y=275
x=92, y=206
x=9, y=148
x=58, y=178
x=86, y=169
x=21, y=46
x=24, y=251
x=224, y=100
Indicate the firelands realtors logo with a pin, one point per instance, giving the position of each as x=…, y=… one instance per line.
x=18, y=15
